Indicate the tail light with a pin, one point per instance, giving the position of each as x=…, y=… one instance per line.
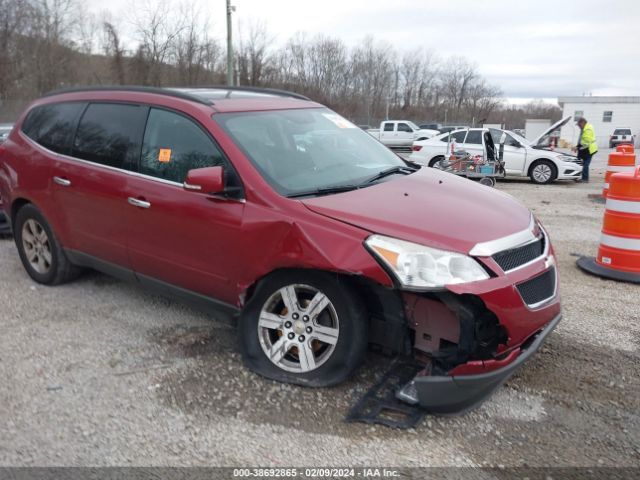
x=416, y=148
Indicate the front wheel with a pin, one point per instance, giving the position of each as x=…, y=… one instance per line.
x=543, y=172
x=306, y=328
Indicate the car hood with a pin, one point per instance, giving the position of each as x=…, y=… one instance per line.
x=429, y=207
x=536, y=142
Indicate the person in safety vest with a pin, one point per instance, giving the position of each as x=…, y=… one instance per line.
x=587, y=146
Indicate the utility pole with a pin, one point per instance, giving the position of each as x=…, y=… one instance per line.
x=230, y=9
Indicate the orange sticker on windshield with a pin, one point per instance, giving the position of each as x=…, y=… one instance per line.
x=164, y=155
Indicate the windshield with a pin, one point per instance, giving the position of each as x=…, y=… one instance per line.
x=303, y=150
x=413, y=125
x=519, y=138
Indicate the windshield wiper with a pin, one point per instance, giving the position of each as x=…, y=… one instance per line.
x=391, y=171
x=325, y=191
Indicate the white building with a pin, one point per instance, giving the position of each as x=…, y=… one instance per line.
x=534, y=127
x=604, y=113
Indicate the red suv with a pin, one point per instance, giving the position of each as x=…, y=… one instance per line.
x=264, y=206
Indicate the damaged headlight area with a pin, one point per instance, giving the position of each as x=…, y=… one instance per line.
x=420, y=267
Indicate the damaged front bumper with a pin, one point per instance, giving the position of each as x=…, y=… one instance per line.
x=457, y=394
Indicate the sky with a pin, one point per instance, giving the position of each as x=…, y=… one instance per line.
x=542, y=49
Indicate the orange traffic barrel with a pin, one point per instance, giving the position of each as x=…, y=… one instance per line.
x=619, y=252
x=624, y=147
x=619, y=161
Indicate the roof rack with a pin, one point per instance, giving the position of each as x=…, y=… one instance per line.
x=130, y=88
x=180, y=92
x=246, y=88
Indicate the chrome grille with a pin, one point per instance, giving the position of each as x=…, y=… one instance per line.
x=539, y=289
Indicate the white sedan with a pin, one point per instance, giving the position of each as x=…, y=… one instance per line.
x=522, y=158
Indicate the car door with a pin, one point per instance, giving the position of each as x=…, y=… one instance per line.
x=404, y=134
x=177, y=237
x=515, y=156
x=473, y=143
x=388, y=133
x=90, y=184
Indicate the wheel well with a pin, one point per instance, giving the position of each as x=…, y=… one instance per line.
x=538, y=160
x=17, y=204
x=388, y=329
x=435, y=159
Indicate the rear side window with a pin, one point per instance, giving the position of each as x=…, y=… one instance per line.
x=110, y=134
x=173, y=145
x=388, y=127
x=52, y=126
x=459, y=136
x=474, y=137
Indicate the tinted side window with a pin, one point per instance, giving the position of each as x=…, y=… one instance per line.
x=388, y=127
x=459, y=136
x=474, y=137
x=403, y=127
x=52, y=126
x=173, y=145
x=110, y=134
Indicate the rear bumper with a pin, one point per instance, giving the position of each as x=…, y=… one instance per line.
x=454, y=395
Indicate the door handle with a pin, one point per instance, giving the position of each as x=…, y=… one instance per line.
x=62, y=181
x=138, y=203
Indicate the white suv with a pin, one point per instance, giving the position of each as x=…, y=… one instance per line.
x=522, y=158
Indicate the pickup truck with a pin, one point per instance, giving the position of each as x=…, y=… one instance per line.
x=400, y=133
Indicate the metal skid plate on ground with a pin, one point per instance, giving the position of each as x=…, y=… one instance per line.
x=380, y=405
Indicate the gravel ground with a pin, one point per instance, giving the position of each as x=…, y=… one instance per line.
x=99, y=372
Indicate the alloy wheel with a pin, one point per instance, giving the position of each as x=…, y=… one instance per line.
x=298, y=328
x=542, y=173
x=36, y=245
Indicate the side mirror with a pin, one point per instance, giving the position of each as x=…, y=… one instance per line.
x=208, y=180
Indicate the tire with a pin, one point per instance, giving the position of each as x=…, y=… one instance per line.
x=267, y=325
x=488, y=181
x=611, y=145
x=543, y=172
x=434, y=163
x=39, y=249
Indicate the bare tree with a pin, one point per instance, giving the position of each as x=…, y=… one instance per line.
x=157, y=30
x=253, y=53
x=113, y=49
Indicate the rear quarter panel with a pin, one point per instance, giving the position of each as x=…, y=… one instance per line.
x=25, y=174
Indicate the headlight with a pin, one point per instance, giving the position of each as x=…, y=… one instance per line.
x=568, y=158
x=418, y=266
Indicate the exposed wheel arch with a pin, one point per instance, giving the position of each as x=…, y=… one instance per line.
x=388, y=332
x=17, y=204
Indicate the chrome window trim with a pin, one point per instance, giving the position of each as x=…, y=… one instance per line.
x=519, y=239
x=95, y=164
x=114, y=169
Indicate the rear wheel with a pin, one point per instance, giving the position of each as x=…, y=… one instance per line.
x=543, y=172
x=40, y=253
x=305, y=328
x=436, y=162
